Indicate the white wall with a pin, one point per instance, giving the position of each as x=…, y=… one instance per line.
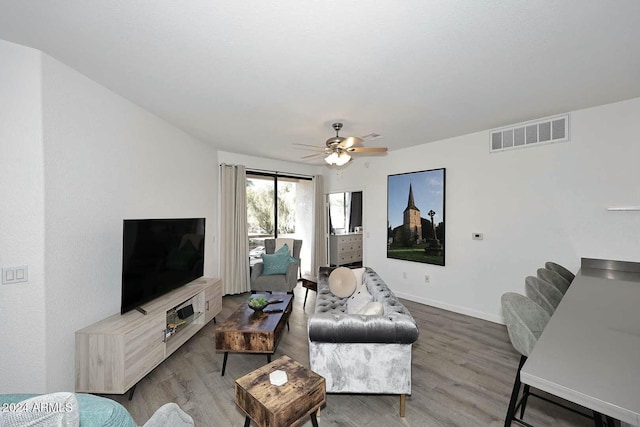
x=22, y=335
x=533, y=205
x=75, y=160
x=106, y=159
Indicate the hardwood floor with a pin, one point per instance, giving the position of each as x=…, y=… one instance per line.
x=463, y=372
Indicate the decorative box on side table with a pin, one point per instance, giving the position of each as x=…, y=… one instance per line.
x=279, y=406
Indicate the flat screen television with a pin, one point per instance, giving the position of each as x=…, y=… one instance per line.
x=159, y=255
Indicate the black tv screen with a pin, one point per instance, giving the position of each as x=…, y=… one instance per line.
x=159, y=255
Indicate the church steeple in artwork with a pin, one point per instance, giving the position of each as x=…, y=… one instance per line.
x=411, y=204
x=412, y=222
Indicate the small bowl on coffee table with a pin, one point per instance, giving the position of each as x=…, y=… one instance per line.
x=257, y=303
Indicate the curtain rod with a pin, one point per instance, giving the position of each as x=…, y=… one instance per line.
x=280, y=172
x=291, y=174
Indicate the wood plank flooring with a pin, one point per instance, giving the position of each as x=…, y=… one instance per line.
x=463, y=372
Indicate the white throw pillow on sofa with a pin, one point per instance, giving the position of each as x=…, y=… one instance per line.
x=358, y=300
x=359, y=273
x=342, y=282
x=373, y=308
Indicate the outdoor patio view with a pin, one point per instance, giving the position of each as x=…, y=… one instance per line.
x=279, y=207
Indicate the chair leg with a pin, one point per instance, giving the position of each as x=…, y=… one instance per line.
x=514, y=395
x=525, y=396
x=305, y=298
x=597, y=419
x=599, y=422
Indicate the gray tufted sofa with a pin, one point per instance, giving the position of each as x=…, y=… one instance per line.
x=357, y=353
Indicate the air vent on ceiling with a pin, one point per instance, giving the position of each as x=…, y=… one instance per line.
x=528, y=134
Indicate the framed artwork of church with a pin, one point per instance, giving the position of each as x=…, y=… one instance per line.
x=415, y=216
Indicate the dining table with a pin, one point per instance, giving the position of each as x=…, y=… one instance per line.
x=589, y=352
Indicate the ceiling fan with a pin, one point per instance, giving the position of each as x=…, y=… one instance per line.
x=338, y=149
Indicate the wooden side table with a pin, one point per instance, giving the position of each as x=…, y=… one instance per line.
x=279, y=406
x=309, y=282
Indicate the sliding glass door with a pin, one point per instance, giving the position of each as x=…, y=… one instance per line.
x=279, y=206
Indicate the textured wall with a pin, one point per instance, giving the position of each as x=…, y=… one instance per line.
x=22, y=335
x=107, y=159
x=533, y=205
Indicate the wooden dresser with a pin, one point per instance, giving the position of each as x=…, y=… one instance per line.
x=345, y=248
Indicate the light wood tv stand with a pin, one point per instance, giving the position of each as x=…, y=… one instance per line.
x=115, y=353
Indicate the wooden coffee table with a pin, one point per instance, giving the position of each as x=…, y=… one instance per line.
x=278, y=406
x=247, y=331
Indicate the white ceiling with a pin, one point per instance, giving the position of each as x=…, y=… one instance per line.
x=254, y=76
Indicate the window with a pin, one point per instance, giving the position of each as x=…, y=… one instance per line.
x=279, y=206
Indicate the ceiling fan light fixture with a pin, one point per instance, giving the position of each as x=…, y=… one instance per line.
x=343, y=159
x=338, y=159
x=331, y=158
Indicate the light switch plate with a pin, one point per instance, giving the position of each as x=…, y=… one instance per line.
x=17, y=274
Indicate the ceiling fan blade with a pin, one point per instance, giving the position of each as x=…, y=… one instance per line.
x=312, y=146
x=350, y=142
x=313, y=155
x=367, y=150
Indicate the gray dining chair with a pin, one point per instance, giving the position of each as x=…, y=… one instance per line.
x=543, y=293
x=525, y=321
x=566, y=274
x=554, y=278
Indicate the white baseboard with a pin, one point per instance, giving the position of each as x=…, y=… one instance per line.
x=455, y=308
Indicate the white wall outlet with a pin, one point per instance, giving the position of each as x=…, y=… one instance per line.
x=17, y=274
x=404, y=275
x=427, y=278
x=477, y=236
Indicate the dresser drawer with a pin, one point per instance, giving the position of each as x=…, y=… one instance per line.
x=345, y=249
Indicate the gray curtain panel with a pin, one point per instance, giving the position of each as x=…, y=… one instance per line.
x=234, y=243
x=319, y=244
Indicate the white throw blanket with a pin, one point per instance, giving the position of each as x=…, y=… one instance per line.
x=169, y=415
x=61, y=410
x=49, y=410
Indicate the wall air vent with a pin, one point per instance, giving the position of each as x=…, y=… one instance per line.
x=529, y=134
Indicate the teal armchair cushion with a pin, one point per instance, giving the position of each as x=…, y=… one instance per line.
x=284, y=250
x=275, y=263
